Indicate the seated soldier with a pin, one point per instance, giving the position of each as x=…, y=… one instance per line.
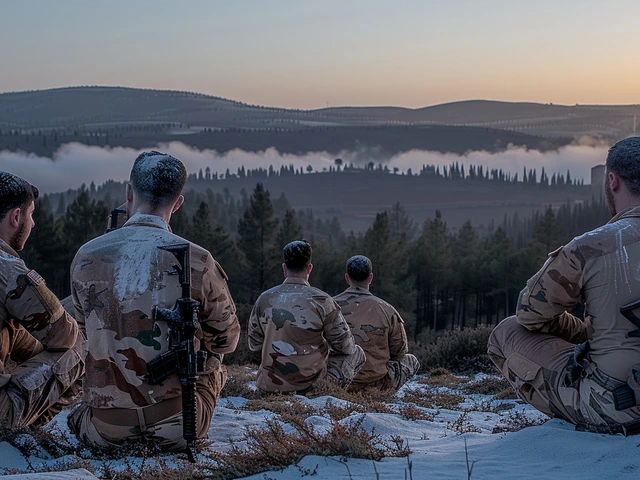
x=584, y=369
x=36, y=333
x=378, y=328
x=301, y=331
x=119, y=281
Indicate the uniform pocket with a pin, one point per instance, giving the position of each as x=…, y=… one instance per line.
x=525, y=375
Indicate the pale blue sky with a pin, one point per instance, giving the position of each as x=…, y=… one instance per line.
x=306, y=54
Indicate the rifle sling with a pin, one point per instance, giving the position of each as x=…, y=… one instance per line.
x=128, y=417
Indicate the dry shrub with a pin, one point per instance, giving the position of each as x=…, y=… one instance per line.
x=462, y=425
x=270, y=447
x=371, y=399
x=237, y=382
x=280, y=404
x=463, y=351
x=507, y=393
x=30, y=440
x=517, y=420
x=433, y=399
x=338, y=412
x=411, y=412
x=441, y=377
x=486, y=386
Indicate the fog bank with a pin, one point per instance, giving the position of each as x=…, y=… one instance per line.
x=74, y=164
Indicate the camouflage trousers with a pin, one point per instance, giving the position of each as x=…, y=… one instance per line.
x=535, y=364
x=343, y=368
x=39, y=386
x=165, y=433
x=398, y=373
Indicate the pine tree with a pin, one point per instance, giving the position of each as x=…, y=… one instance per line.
x=290, y=229
x=257, y=231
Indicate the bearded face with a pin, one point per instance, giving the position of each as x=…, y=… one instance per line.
x=609, y=196
x=25, y=225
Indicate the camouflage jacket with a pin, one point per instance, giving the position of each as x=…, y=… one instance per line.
x=117, y=281
x=296, y=326
x=31, y=317
x=377, y=327
x=601, y=270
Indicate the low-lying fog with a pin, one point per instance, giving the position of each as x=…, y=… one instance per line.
x=75, y=164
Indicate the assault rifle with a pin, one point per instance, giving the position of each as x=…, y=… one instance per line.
x=113, y=218
x=181, y=358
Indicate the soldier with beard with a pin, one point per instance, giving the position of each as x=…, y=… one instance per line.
x=584, y=370
x=36, y=334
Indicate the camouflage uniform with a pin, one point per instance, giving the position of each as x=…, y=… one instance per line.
x=303, y=338
x=535, y=350
x=379, y=329
x=118, y=280
x=40, y=337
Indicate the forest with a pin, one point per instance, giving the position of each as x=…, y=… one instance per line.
x=438, y=278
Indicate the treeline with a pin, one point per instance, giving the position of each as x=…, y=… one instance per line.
x=437, y=278
x=455, y=171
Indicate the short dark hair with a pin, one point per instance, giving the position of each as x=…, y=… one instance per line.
x=297, y=255
x=158, y=177
x=15, y=192
x=624, y=160
x=359, y=268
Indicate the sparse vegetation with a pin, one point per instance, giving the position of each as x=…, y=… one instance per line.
x=487, y=386
x=517, y=420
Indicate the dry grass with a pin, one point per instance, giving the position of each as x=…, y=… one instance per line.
x=238, y=378
x=441, y=377
x=411, y=412
x=507, y=393
x=462, y=425
x=433, y=399
x=461, y=351
x=486, y=386
x=281, y=405
x=270, y=447
x=517, y=420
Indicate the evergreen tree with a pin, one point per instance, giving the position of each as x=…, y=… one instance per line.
x=257, y=232
x=290, y=229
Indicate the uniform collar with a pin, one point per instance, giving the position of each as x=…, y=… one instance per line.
x=358, y=290
x=147, y=220
x=4, y=246
x=631, y=212
x=297, y=281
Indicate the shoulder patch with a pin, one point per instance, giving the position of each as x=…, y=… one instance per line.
x=35, y=278
x=221, y=270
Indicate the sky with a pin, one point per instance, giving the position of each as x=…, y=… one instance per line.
x=294, y=54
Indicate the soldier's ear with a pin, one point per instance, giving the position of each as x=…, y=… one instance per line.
x=347, y=278
x=370, y=279
x=614, y=181
x=178, y=203
x=14, y=216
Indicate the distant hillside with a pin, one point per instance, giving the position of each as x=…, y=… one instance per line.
x=118, y=116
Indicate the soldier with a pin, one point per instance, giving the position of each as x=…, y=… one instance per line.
x=301, y=331
x=378, y=328
x=35, y=331
x=118, y=280
x=586, y=371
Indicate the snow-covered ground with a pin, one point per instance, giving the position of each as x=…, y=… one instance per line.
x=445, y=444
